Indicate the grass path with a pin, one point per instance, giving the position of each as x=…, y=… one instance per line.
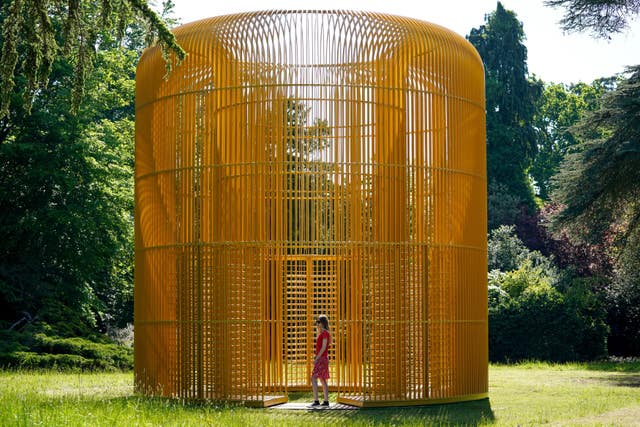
x=527, y=394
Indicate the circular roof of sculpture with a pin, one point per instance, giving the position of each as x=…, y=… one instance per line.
x=318, y=38
x=317, y=48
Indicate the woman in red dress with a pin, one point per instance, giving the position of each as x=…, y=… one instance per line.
x=321, y=361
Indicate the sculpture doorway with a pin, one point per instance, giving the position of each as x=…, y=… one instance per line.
x=310, y=285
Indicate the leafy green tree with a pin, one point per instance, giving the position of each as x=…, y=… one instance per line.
x=602, y=17
x=510, y=101
x=35, y=33
x=598, y=188
x=505, y=249
x=559, y=108
x=67, y=202
x=608, y=134
x=598, y=184
x=506, y=252
x=524, y=278
x=66, y=195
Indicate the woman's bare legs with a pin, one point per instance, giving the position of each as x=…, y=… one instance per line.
x=325, y=389
x=314, y=384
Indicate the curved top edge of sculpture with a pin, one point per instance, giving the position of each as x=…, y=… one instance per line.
x=236, y=34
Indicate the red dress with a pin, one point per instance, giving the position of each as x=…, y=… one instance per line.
x=321, y=366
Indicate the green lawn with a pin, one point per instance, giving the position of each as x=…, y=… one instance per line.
x=527, y=394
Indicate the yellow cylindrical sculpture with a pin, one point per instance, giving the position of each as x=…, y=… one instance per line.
x=300, y=163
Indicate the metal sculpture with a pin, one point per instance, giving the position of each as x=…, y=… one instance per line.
x=300, y=163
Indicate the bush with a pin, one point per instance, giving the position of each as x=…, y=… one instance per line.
x=506, y=252
x=505, y=249
x=529, y=326
x=623, y=304
x=497, y=295
x=537, y=313
x=588, y=314
x=35, y=348
x=525, y=278
x=541, y=323
x=32, y=360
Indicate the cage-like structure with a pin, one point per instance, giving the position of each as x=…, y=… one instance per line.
x=300, y=163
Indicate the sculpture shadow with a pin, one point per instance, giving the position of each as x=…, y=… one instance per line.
x=619, y=380
x=621, y=373
x=464, y=413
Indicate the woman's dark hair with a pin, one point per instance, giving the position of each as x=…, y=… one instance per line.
x=322, y=319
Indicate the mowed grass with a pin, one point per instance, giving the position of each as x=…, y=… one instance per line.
x=525, y=394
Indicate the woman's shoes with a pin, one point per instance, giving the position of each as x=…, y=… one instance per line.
x=316, y=404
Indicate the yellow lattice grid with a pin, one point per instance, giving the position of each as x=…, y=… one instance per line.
x=301, y=163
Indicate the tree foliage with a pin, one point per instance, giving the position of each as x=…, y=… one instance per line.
x=539, y=322
x=577, y=258
x=66, y=197
x=598, y=184
x=598, y=190
x=307, y=180
x=36, y=32
x=622, y=297
x=505, y=249
x=559, y=108
x=510, y=103
x=597, y=187
x=601, y=17
x=503, y=206
x=537, y=313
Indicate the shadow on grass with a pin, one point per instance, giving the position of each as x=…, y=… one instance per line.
x=153, y=409
x=620, y=380
x=463, y=413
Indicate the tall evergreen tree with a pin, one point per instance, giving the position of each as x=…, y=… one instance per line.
x=511, y=100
